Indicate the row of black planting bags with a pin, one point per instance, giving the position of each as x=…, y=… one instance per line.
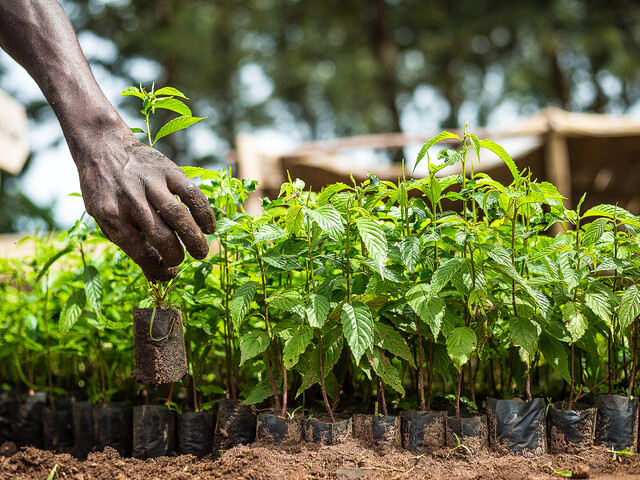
x=149, y=431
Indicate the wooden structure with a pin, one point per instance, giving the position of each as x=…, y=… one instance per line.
x=596, y=154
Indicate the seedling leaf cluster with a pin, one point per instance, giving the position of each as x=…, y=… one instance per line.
x=399, y=295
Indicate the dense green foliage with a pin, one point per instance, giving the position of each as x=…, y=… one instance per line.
x=349, y=289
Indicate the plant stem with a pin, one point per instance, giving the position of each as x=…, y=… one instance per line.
x=284, y=391
x=472, y=390
x=634, y=359
x=382, y=400
x=458, y=392
x=268, y=327
x=430, y=381
x=610, y=361
x=513, y=362
x=225, y=276
x=423, y=407
x=347, y=261
x=601, y=382
x=573, y=381
x=48, y=344
x=170, y=396
x=322, y=385
x=194, y=388
x=146, y=121
x=101, y=369
x=341, y=384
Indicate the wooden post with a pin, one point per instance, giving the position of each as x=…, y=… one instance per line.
x=250, y=166
x=558, y=168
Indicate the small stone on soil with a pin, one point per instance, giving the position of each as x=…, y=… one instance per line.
x=580, y=471
x=350, y=473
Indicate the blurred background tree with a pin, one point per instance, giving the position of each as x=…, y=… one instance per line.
x=318, y=70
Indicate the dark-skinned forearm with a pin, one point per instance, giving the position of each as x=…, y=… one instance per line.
x=39, y=36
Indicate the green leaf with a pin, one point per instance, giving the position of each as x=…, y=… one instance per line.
x=502, y=153
x=137, y=130
x=93, y=287
x=383, y=368
x=52, y=260
x=52, y=473
x=629, y=308
x=574, y=321
x=170, y=91
x=388, y=338
x=308, y=365
x=280, y=261
x=613, y=212
x=295, y=346
x=599, y=304
x=460, y=344
x=410, y=252
x=135, y=91
x=445, y=273
x=241, y=301
x=287, y=301
x=269, y=232
x=524, y=333
x=328, y=219
x=569, y=274
x=318, y=310
x=479, y=304
x=438, y=138
x=72, y=310
x=555, y=353
x=294, y=220
x=430, y=309
x=193, y=172
x=178, y=123
x=253, y=344
x=357, y=325
x=593, y=231
x=174, y=105
x=260, y=392
x=497, y=254
x=330, y=190
x=374, y=239
x=434, y=190
x=224, y=225
x=418, y=296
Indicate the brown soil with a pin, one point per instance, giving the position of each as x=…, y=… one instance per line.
x=558, y=442
x=272, y=428
x=321, y=430
x=377, y=431
x=476, y=441
x=433, y=430
x=161, y=359
x=305, y=461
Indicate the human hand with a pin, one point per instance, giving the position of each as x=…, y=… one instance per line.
x=130, y=190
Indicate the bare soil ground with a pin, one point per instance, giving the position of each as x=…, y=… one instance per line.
x=308, y=461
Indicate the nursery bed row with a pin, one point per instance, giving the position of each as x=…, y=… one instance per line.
x=149, y=431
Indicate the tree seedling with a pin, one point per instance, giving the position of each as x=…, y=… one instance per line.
x=163, y=98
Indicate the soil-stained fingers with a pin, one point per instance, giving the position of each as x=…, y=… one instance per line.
x=177, y=216
x=158, y=234
x=132, y=242
x=191, y=195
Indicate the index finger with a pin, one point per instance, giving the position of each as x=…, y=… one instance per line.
x=195, y=200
